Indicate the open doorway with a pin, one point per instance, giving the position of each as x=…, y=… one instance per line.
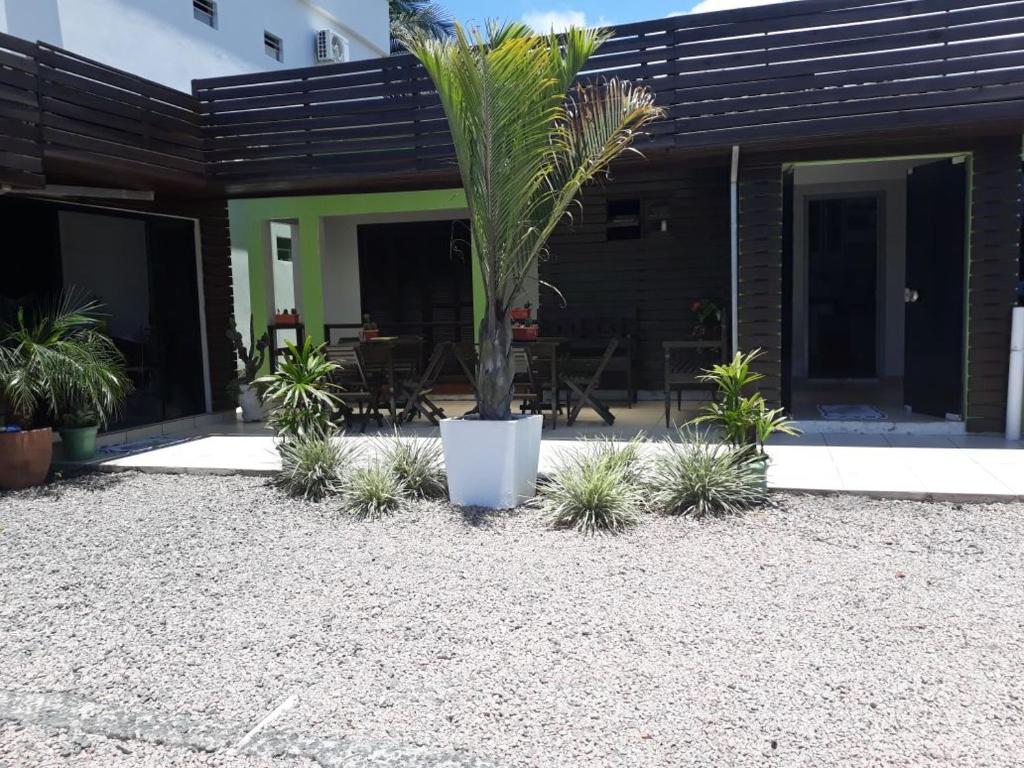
x=876, y=265
x=416, y=278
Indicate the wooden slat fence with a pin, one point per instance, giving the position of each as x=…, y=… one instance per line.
x=21, y=157
x=97, y=114
x=58, y=106
x=751, y=76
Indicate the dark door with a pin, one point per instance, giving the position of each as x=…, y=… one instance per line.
x=787, y=288
x=175, y=347
x=934, y=351
x=416, y=278
x=842, y=287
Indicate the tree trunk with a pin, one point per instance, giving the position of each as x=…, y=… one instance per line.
x=494, y=378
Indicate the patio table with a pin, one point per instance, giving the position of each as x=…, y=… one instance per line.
x=546, y=349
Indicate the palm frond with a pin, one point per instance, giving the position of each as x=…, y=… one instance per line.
x=423, y=16
x=57, y=360
x=525, y=147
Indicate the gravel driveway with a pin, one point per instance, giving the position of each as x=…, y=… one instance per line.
x=154, y=620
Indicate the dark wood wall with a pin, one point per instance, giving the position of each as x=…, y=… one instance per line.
x=992, y=278
x=995, y=234
x=651, y=281
x=215, y=242
x=759, y=305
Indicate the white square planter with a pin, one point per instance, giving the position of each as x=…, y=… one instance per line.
x=491, y=464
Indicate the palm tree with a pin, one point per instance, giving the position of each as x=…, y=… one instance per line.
x=526, y=145
x=418, y=16
x=57, y=360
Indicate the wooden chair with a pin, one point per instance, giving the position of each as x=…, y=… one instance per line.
x=350, y=376
x=685, y=362
x=583, y=379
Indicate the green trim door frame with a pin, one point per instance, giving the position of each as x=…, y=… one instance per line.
x=250, y=227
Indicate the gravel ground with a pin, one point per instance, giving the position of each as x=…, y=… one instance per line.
x=163, y=616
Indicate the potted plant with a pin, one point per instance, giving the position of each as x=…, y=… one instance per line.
x=78, y=431
x=288, y=317
x=708, y=314
x=54, y=360
x=369, y=329
x=252, y=361
x=741, y=414
x=521, y=314
x=527, y=138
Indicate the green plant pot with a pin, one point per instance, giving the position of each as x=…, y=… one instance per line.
x=79, y=443
x=760, y=466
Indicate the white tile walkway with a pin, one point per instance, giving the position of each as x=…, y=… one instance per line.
x=896, y=466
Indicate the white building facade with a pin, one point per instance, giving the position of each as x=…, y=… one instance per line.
x=176, y=41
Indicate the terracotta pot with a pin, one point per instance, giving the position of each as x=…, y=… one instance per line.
x=525, y=333
x=25, y=458
x=520, y=314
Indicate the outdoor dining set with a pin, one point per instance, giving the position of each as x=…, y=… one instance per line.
x=398, y=377
x=393, y=377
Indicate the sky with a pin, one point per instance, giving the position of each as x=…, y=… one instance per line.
x=557, y=14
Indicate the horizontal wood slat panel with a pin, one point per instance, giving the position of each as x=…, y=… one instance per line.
x=94, y=115
x=996, y=200
x=813, y=69
x=21, y=155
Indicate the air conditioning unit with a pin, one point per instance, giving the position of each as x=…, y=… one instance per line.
x=330, y=47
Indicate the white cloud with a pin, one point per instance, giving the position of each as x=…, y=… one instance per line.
x=725, y=5
x=557, y=21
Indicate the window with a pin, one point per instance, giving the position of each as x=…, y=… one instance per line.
x=273, y=46
x=623, y=221
x=283, y=246
x=205, y=11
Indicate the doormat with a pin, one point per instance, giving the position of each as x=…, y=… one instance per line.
x=851, y=413
x=123, y=449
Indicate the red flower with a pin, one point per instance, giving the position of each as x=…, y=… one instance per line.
x=696, y=306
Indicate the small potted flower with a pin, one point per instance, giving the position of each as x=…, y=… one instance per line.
x=252, y=362
x=520, y=314
x=288, y=317
x=708, y=315
x=369, y=329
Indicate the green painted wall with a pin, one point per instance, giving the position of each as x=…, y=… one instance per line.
x=250, y=230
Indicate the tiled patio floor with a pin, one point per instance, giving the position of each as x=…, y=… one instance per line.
x=888, y=465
